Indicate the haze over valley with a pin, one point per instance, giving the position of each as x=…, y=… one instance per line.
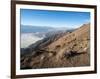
x=32, y=34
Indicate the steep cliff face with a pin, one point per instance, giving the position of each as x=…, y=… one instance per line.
x=67, y=49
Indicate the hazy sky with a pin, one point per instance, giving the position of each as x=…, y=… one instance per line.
x=54, y=18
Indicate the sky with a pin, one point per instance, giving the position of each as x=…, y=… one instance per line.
x=55, y=19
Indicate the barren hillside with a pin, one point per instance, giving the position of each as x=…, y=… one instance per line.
x=69, y=49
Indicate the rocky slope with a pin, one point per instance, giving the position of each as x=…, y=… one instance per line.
x=68, y=49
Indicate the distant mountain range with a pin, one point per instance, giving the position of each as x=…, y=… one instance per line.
x=43, y=29
x=32, y=29
x=60, y=49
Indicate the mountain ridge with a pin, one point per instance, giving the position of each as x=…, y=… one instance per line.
x=67, y=50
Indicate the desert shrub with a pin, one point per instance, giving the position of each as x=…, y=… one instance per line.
x=54, y=52
x=75, y=45
x=70, y=54
x=58, y=46
x=64, y=44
